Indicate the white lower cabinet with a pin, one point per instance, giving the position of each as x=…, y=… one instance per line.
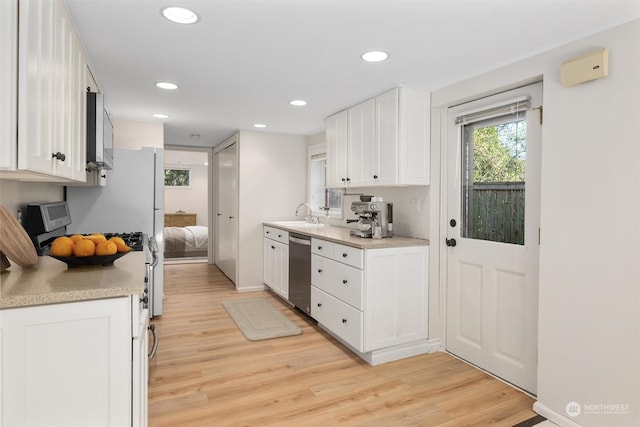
x=379, y=308
x=69, y=364
x=276, y=261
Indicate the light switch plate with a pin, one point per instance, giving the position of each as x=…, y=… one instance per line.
x=594, y=65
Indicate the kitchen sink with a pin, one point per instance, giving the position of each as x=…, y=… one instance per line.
x=302, y=224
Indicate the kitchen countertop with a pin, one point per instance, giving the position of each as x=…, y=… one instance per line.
x=49, y=281
x=342, y=235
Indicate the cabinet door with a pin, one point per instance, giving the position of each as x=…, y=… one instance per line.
x=337, y=152
x=268, y=257
x=396, y=297
x=362, y=144
x=36, y=86
x=8, y=83
x=67, y=364
x=414, y=136
x=386, y=146
x=276, y=267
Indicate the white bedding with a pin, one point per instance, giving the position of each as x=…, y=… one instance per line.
x=179, y=241
x=196, y=237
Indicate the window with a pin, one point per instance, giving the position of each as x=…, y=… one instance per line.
x=493, y=176
x=177, y=177
x=320, y=197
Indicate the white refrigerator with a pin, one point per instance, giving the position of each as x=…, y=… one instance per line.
x=132, y=200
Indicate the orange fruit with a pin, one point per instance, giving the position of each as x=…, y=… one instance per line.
x=96, y=238
x=122, y=247
x=106, y=247
x=84, y=247
x=76, y=238
x=62, y=246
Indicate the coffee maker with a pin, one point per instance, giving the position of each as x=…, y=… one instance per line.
x=375, y=218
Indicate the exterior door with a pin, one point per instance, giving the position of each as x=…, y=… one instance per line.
x=227, y=215
x=492, y=223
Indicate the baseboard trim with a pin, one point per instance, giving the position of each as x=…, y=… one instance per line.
x=554, y=416
x=251, y=289
x=434, y=345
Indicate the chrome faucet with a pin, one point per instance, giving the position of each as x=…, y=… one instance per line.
x=311, y=219
x=301, y=205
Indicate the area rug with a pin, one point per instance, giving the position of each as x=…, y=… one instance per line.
x=259, y=320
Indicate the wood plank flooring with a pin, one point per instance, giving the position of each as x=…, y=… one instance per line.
x=206, y=373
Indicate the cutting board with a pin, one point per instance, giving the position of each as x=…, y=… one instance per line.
x=15, y=242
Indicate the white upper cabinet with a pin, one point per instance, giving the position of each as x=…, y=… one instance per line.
x=385, y=141
x=8, y=82
x=51, y=71
x=337, y=149
x=361, y=155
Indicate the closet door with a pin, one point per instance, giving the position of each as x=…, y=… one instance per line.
x=227, y=214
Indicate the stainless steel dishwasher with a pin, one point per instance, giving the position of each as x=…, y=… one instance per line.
x=300, y=272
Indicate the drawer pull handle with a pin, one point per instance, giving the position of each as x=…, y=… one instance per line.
x=344, y=255
x=344, y=320
x=273, y=247
x=319, y=305
x=344, y=282
x=267, y=231
x=279, y=235
x=319, y=248
x=319, y=270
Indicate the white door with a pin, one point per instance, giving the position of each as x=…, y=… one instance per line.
x=227, y=206
x=492, y=223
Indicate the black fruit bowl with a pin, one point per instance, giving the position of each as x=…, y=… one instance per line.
x=79, y=261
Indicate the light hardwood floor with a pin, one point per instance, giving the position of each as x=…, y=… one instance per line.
x=206, y=373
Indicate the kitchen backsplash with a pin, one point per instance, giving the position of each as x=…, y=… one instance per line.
x=406, y=201
x=15, y=195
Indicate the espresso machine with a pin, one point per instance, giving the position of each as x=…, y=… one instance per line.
x=375, y=219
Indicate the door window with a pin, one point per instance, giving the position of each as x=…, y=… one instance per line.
x=493, y=178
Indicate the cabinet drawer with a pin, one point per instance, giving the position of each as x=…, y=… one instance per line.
x=341, y=319
x=348, y=255
x=276, y=234
x=342, y=281
x=322, y=247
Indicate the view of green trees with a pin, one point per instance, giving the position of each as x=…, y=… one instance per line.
x=177, y=177
x=499, y=153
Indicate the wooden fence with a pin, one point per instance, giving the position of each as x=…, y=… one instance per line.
x=496, y=212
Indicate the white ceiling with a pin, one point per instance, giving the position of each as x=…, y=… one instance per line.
x=246, y=59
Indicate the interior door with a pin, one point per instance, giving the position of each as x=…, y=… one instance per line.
x=493, y=207
x=227, y=205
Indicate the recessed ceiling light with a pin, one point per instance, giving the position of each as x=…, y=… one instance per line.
x=298, y=102
x=160, y=116
x=259, y=125
x=374, y=56
x=167, y=85
x=180, y=15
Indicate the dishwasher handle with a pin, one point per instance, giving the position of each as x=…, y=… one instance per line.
x=306, y=242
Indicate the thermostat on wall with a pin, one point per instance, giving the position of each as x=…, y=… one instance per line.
x=594, y=65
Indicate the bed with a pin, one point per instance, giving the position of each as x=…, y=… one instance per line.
x=186, y=242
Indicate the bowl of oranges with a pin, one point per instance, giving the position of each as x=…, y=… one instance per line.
x=93, y=249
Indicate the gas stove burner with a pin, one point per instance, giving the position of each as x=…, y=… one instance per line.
x=132, y=239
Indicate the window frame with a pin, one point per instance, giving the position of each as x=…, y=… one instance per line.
x=178, y=168
x=313, y=152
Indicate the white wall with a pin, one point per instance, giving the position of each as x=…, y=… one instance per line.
x=133, y=135
x=16, y=195
x=589, y=293
x=272, y=168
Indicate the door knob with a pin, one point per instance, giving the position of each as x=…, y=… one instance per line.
x=60, y=156
x=450, y=242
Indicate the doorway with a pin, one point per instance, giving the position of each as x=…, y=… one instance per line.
x=226, y=161
x=187, y=231
x=493, y=217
